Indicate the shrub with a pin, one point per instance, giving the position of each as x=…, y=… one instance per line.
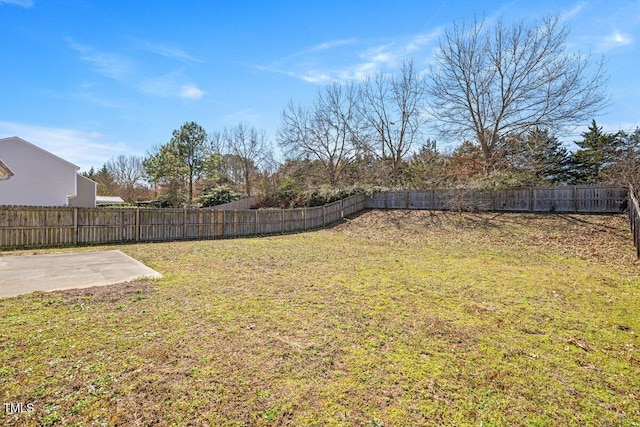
x=217, y=196
x=169, y=201
x=287, y=192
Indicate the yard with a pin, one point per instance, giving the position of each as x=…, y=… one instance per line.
x=390, y=318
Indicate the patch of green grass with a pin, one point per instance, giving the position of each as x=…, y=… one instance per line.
x=393, y=318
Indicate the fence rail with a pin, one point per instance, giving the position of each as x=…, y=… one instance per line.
x=22, y=226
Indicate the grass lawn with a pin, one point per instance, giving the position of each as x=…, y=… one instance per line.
x=401, y=318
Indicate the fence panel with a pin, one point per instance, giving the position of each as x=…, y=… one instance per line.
x=333, y=212
x=293, y=220
x=517, y=200
x=245, y=222
x=36, y=226
x=376, y=201
x=350, y=205
x=106, y=225
x=269, y=221
x=314, y=217
x=599, y=199
x=421, y=199
x=161, y=224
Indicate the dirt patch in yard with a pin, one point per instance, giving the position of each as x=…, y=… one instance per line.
x=110, y=293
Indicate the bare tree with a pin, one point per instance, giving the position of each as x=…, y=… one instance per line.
x=249, y=146
x=492, y=83
x=625, y=154
x=393, y=108
x=328, y=131
x=127, y=172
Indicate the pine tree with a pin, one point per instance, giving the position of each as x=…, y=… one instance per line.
x=596, y=153
x=550, y=158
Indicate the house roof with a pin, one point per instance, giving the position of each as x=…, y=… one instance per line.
x=5, y=172
x=80, y=176
x=17, y=138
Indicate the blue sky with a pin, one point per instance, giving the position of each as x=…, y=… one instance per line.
x=92, y=79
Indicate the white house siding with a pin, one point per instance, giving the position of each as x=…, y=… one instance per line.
x=39, y=177
x=86, y=197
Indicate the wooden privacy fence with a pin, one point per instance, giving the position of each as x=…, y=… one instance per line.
x=565, y=199
x=60, y=226
x=24, y=226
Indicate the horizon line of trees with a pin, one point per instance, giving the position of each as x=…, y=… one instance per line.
x=506, y=91
x=240, y=158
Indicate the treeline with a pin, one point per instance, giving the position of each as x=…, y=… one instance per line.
x=208, y=170
x=499, y=95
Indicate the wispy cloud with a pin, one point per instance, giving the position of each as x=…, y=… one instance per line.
x=23, y=3
x=171, y=86
x=332, y=44
x=346, y=59
x=109, y=64
x=162, y=86
x=568, y=15
x=603, y=26
x=615, y=39
x=167, y=51
x=351, y=59
x=83, y=148
x=135, y=73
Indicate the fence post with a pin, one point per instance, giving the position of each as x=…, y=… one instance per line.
x=324, y=215
x=214, y=222
x=184, y=223
x=75, y=226
x=255, y=223
x=137, y=224
x=304, y=217
x=235, y=223
x=531, y=199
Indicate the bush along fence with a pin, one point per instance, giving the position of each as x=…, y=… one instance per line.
x=22, y=226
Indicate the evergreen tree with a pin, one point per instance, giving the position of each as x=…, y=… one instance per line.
x=164, y=170
x=107, y=185
x=596, y=153
x=550, y=159
x=425, y=169
x=91, y=173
